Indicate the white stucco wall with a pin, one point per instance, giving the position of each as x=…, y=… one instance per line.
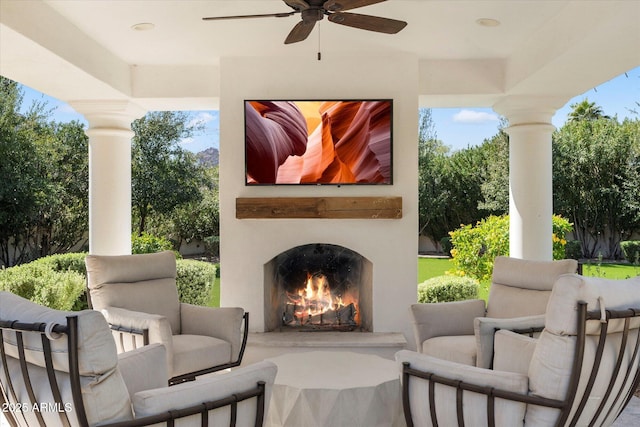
x=391, y=245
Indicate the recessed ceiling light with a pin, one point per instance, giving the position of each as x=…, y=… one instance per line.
x=487, y=22
x=143, y=26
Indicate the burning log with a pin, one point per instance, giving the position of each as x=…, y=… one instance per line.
x=341, y=316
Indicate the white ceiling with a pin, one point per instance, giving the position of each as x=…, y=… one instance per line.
x=74, y=49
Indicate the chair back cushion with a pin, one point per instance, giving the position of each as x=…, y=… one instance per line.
x=552, y=360
x=522, y=287
x=145, y=282
x=104, y=392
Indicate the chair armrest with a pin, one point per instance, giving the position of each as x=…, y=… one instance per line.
x=158, y=327
x=144, y=368
x=486, y=327
x=443, y=319
x=448, y=377
x=152, y=402
x=224, y=323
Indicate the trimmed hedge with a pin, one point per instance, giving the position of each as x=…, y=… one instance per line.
x=54, y=281
x=59, y=281
x=195, y=281
x=447, y=288
x=631, y=250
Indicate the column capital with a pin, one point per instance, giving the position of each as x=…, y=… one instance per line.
x=520, y=109
x=108, y=114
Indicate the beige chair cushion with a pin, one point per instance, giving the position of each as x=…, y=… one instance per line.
x=459, y=349
x=211, y=387
x=513, y=352
x=522, y=287
x=552, y=359
x=508, y=413
x=143, y=276
x=103, y=390
x=195, y=352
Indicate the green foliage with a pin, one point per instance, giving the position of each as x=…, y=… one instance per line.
x=195, y=280
x=495, y=184
x=149, y=244
x=631, y=250
x=200, y=220
x=475, y=248
x=163, y=175
x=597, y=181
x=447, y=288
x=573, y=249
x=43, y=180
x=445, y=244
x=53, y=281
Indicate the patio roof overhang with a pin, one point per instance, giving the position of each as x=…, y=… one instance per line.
x=89, y=54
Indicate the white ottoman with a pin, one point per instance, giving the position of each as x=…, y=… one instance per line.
x=332, y=388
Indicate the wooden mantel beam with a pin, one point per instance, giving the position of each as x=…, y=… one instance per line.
x=319, y=207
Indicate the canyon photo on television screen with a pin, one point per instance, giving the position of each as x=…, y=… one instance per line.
x=316, y=142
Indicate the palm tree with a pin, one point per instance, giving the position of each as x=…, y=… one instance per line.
x=586, y=110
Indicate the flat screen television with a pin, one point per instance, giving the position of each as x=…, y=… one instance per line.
x=317, y=142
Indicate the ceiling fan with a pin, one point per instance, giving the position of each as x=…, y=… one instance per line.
x=313, y=11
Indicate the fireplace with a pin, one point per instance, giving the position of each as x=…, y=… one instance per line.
x=318, y=287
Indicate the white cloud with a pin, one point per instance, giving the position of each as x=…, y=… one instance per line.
x=470, y=116
x=186, y=141
x=202, y=118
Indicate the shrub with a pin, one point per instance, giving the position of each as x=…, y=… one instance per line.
x=573, y=249
x=149, y=244
x=475, y=248
x=65, y=262
x=447, y=288
x=38, y=282
x=631, y=251
x=445, y=244
x=195, y=281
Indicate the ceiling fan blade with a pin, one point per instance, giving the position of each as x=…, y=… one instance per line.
x=368, y=22
x=340, y=5
x=300, y=32
x=297, y=4
x=264, y=15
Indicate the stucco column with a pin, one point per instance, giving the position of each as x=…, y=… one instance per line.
x=109, y=173
x=530, y=177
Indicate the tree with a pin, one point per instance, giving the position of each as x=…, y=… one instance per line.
x=597, y=181
x=43, y=180
x=495, y=186
x=200, y=220
x=586, y=110
x=431, y=157
x=163, y=174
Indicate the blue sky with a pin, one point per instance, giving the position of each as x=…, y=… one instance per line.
x=457, y=128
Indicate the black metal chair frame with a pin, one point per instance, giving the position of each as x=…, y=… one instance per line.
x=123, y=331
x=7, y=391
x=565, y=405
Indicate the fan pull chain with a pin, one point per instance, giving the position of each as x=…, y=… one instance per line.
x=319, y=49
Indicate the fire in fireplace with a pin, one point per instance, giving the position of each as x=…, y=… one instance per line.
x=316, y=306
x=318, y=287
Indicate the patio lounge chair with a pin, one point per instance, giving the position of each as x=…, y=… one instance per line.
x=582, y=370
x=462, y=331
x=138, y=296
x=61, y=369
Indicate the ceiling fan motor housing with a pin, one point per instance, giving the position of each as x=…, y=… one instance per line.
x=312, y=14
